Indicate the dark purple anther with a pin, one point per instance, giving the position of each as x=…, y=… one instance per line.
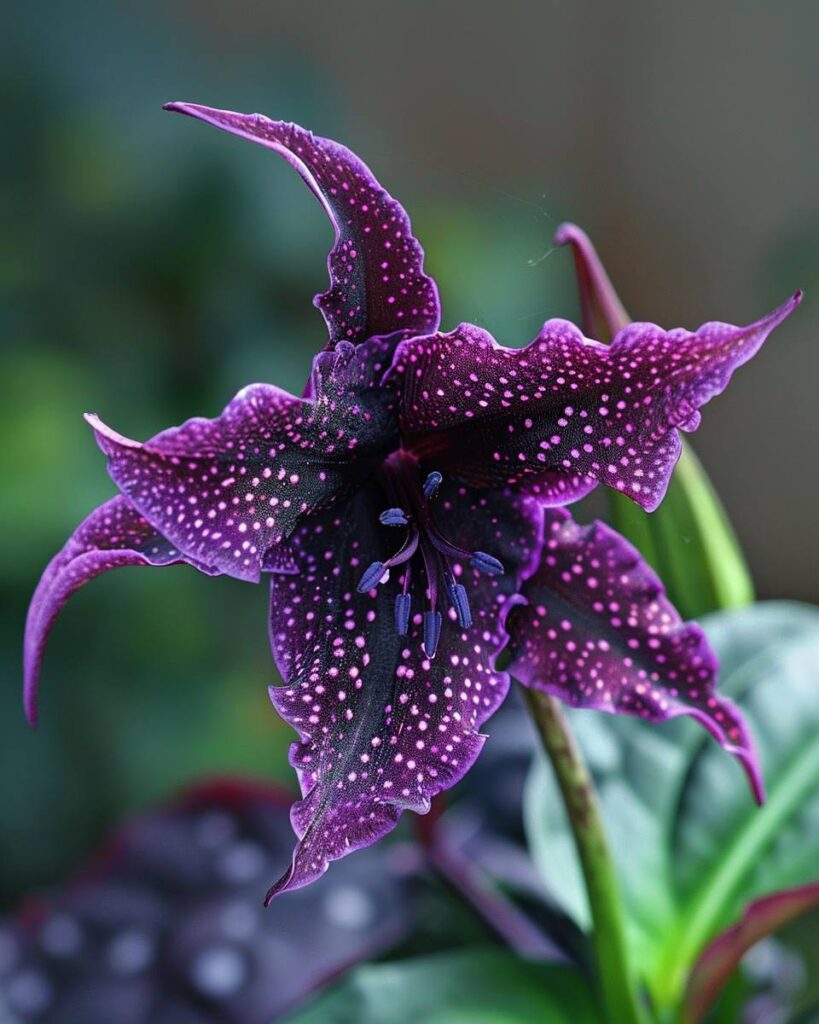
x=486, y=563
x=403, y=607
x=371, y=578
x=431, y=484
x=393, y=517
x=432, y=632
x=460, y=602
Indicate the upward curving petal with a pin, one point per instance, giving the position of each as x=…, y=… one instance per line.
x=566, y=406
x=598, y=631
x=227, y=491
x=113, y=535
x=382, y=727
x=377, y=280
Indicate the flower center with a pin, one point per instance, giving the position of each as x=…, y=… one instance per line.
x=424, y=548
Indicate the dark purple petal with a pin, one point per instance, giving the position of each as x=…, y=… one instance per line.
x=227, y=491
x=377, y=281
x=721, y=958
x=598, y=631
x=166, y=924
x=567, y=406
x=383, y=727
x=113, y=535
x=603, y=312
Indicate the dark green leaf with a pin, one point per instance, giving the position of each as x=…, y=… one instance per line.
x=479, y=986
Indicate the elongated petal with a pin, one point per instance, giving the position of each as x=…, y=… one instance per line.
x=597, y=631
x=377, y=281
x=166, y=924
x=564, y=404
x=603, y=312
x=113, y=535
x=382, y=727
x=226, y=491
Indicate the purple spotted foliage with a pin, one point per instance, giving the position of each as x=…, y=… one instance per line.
x=405, y=510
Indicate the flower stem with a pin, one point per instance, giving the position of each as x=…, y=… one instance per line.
x=616, y=978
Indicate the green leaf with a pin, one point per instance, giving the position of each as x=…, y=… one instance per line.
x=692, y=848
x=719, y=961
x=477, y=986
x=688, y=541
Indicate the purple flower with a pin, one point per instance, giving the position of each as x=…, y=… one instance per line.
x=458, y=448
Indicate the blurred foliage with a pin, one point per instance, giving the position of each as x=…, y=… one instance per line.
x=481, y=986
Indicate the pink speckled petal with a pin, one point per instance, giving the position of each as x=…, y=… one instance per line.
x=226, y=491
x=377, y=281
x=113, y=535
x=598, y=631
x=382, y=727
x=565, y=404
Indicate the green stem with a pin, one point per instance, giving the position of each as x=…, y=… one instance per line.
x=616, y=978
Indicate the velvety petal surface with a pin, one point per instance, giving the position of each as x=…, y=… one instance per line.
x=166, y=924
x=113, y=535
x=377, y=281
x=383, y=727
x=598, y=631
x=226, y=491
x=567, y=406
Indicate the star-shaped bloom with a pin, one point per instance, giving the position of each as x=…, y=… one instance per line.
x=461, y=448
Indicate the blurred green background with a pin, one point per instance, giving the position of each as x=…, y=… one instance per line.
x=151, y=267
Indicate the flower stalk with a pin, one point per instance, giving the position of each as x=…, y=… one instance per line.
x=618, y=988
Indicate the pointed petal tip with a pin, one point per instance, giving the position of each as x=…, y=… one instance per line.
x=567, y=232
x=278, y=887
x=782, y=312
x=104, y=433
x=750, y=765
x=293, y=878
x=30, y=708
x=191, y=109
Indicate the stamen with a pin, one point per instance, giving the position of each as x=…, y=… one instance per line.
x=412, y=510
x=432, y=632
x=372, y=577
x=460, y=602
x=486, y=563
x=403, y=608
x=393, y=517
x=432, y=483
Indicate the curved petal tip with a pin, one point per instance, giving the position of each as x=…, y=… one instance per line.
x=107, y=435
x=568, y=232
